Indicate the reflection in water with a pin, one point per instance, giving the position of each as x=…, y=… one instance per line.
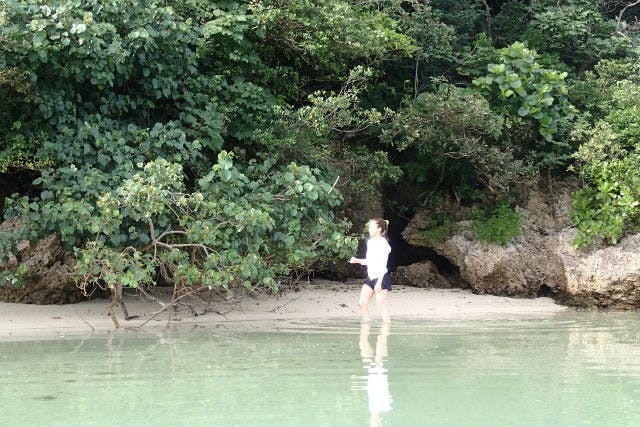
x=574, y=369
x=377, y=385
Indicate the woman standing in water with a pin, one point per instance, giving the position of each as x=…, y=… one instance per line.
x=377, y=281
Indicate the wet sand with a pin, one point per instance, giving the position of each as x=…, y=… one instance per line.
x=315, y=301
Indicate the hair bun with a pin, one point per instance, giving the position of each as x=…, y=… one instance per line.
x=381, y=223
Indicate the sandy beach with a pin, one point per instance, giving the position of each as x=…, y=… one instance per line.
x=316, y=300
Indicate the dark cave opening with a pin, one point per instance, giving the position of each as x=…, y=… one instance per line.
x=545, y=291
x=403, y=253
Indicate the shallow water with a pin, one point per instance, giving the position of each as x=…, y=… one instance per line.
x=573, y=369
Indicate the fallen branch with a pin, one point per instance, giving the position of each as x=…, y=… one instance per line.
x=280, y=306
x=151, y=297
x=87, y=323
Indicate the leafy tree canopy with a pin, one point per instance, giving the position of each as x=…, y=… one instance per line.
x=211, y=142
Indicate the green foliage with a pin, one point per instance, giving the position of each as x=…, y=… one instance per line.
x=499, y=225
x=434, y=43
x=607, y=207
x=98, y=265
x=453, y=133
x=251, y=227
x=520, y=90
x=576, y=30
x=8, y=244
x=626, y=124
x=318, y=134
x=475, y=59
x=14, y=278
x=612, y=84
x=437, y=230
x=608, y=160
x=123, y=107
x=16, y=272
x=126, y=112
x=97, y=47
x=310, y=44
x=465, y=16
x=17, y=152
x=229, y=35
x=139, y=68
x=508, y=24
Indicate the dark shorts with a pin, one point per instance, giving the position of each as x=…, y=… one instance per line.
x=386, y=282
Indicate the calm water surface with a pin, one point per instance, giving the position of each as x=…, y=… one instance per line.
x=571, y=369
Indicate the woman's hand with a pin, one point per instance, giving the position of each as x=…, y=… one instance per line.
x=378, y=286
x=354, y=260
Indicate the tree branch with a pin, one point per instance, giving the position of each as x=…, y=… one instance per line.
x=488, y=12
x=206, y=249
x=619, y=19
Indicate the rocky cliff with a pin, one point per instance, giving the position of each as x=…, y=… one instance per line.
x=542, y=261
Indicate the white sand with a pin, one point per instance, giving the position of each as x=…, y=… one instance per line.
x=317, y=300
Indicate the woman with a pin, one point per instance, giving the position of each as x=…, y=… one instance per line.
x=377, y=281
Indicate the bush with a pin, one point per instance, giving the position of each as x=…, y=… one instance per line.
x=264, y=225
x=450, y=138
x=607, y=207
x=438, y=230
x=609, y=159
x=498, y=226
x=521, y=90
x=123, y=106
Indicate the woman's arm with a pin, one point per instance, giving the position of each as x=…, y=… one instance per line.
x=358, y=261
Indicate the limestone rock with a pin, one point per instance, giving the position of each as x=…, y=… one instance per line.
x=542, y=259
x=420, y=275
x=606, y=277
x=50, y=279
x=488, y=269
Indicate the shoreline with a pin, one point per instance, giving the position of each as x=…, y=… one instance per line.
x=318, y=300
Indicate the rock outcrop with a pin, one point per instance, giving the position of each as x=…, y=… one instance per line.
x=49, y=278
x=420, y=275
x=606, y=277
x=542, y=260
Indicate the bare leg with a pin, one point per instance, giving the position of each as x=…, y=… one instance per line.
x=365, y=296
x=381, y=344
x=381, y=301
x=366, y=351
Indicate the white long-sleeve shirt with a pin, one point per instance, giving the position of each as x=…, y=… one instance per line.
x=378, y=251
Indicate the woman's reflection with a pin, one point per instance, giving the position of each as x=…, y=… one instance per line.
x=377, y=375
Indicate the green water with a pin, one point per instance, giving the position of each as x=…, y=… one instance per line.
x=571, y=369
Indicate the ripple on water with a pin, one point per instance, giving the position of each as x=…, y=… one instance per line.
x=571, y=368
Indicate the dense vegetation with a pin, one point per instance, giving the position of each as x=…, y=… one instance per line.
x=211, y=143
